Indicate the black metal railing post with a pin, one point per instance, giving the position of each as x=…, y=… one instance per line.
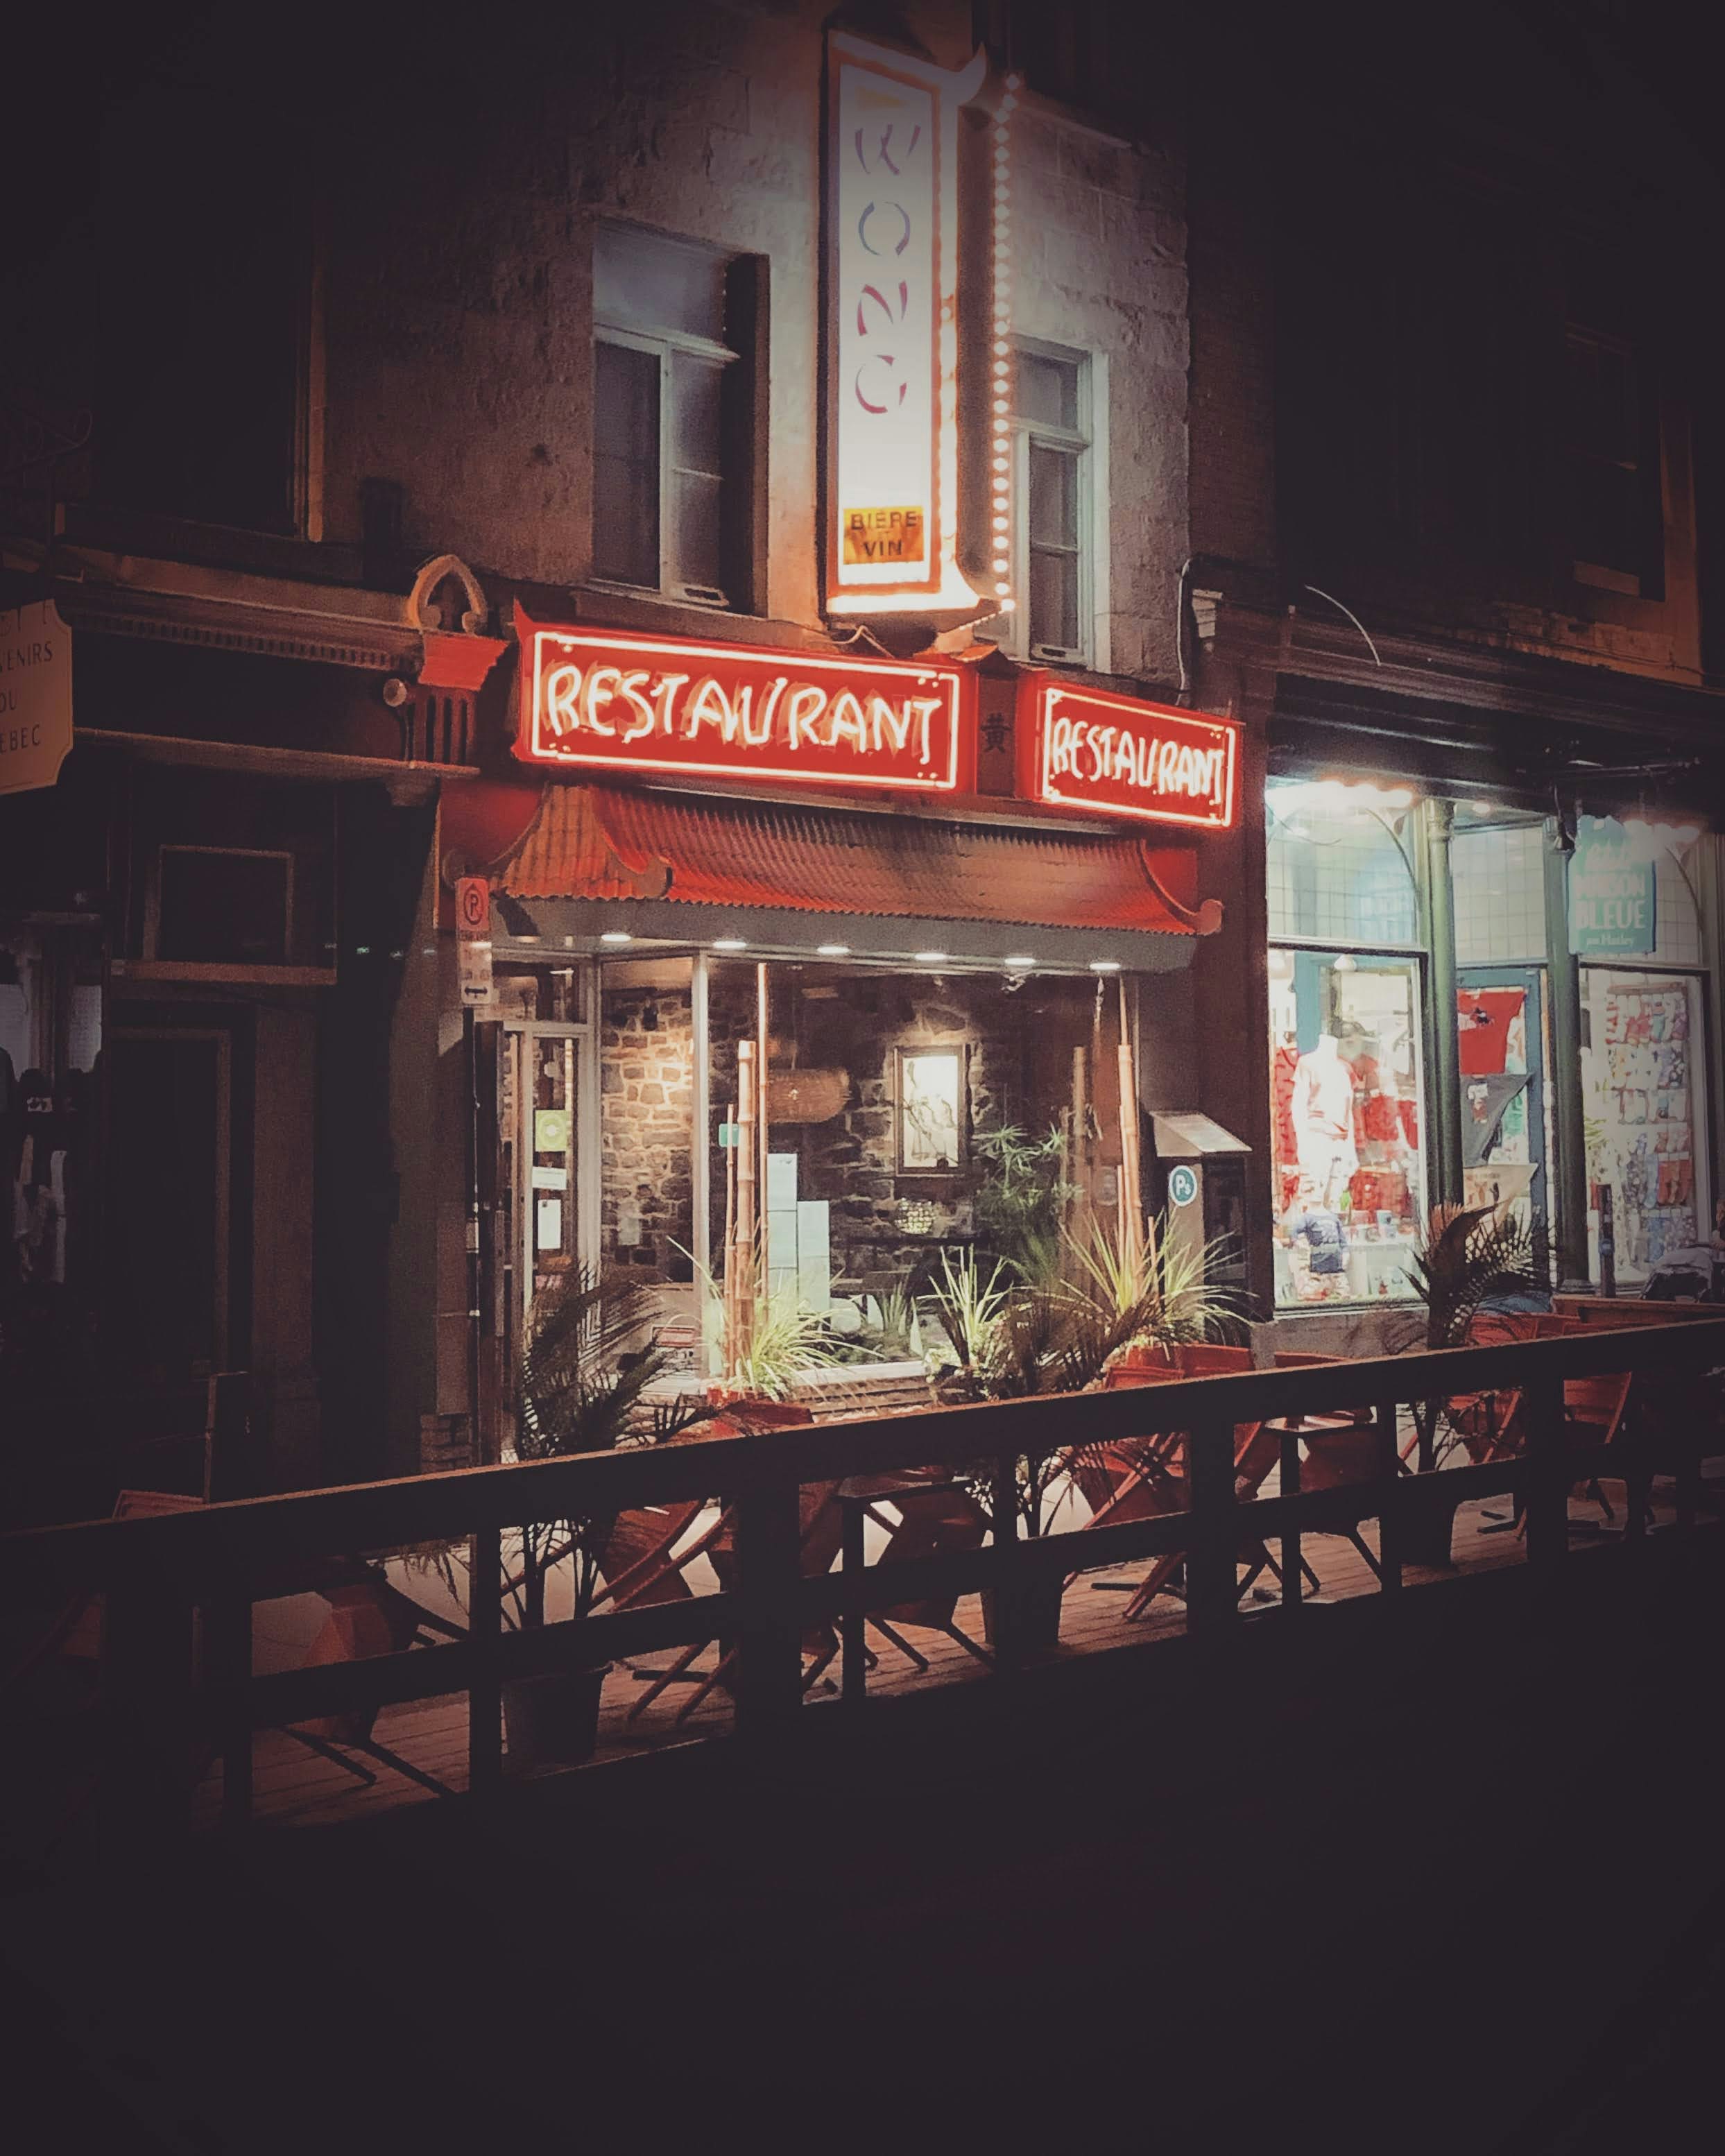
x=769, y=1633
x=1387, y=1427
x=484, y=1689
x=1212, y=1560
x=1291, y=1583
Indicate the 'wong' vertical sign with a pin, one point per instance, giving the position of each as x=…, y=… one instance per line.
x=892, y=330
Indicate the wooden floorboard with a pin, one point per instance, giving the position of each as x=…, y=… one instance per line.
x=293, y=1786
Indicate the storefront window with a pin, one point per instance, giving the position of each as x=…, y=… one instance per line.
x=1643, y=1068
x=1338, y=867
x=1348, y=1117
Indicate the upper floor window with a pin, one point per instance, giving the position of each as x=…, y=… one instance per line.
x=1055, y=491
x=672, y=392
x=1614, y=528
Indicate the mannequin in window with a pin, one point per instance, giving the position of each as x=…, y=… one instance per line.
x=1323, y=1110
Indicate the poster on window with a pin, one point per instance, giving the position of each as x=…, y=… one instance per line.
x=1643, y=1134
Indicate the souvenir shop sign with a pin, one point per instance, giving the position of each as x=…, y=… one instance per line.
x=1119, y=756
x=1613, y=898
x=35, y=696
x=630, y=704
x=892, y=331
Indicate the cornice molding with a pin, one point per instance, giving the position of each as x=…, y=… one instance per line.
x=216, y=623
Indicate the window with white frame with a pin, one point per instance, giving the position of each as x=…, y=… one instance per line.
x=670, y=431
x=1056, y=492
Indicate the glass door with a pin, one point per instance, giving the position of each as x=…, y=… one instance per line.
x=1505, y=1109
x=547, y=1190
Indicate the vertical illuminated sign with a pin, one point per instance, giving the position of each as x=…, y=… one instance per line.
x=892, y=271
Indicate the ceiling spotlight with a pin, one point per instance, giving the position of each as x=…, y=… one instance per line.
x=931, y=957
x=1105, y=965
x=832, y=950
x=729, y=943
x=617, y=935
x=1018, y=958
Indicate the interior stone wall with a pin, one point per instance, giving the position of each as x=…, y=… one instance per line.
x=646, y=1127
x=851, y=1161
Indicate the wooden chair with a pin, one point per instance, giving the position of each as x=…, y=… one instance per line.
x=820, y=1535
x=1333, y=1459
x=368, y=1618
x=1138, y=1481
x=1206, y=1360
x=940, y=1522
x=1288, y=1359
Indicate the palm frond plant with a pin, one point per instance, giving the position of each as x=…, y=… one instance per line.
x=589, y=1360
x=1467, y=1260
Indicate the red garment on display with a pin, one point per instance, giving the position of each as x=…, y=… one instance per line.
x=1483, y=1018
x=1376, y=1120
x=1376, y=1190
x=1282, y=1102
x=1408, y=1110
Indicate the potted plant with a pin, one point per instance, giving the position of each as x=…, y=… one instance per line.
x=1021, y=1342
x=587, y=1361
x=1466, y=1261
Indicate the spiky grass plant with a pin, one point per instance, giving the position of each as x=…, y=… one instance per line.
x=1165, y=1288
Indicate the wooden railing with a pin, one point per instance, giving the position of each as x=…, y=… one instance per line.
x=179, y=1589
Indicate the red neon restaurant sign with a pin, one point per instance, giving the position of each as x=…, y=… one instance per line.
x=1118, y=756
x=660, y=704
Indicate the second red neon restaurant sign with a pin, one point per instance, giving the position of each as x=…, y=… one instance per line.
x=1117, y=755
x=667, y=704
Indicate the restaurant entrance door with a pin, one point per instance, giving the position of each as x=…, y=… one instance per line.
x=545, y=1183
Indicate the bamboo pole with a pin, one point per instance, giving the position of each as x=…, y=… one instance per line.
x=743, y=1249
x=727, y=1301
x=1131, y=1210
x=1080, y=1149
x=762, y=1016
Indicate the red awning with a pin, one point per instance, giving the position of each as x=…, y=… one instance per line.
x=599, y=842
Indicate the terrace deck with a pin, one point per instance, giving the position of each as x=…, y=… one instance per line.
x=296, y=1786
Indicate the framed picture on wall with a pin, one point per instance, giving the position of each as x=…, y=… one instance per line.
x=932, y=1110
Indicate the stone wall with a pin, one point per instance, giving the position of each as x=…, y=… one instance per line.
x=646, y=1128
x=856, y=1023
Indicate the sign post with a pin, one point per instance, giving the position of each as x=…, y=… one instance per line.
x=35, y=696
x=473, y=940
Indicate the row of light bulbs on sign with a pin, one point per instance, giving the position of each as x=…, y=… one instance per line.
x=1015, y=962
x=1000, y=450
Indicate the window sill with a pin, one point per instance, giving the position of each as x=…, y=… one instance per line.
x=216, y=546
x=212, y=971
x=1595, y=575
x=627, y=606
